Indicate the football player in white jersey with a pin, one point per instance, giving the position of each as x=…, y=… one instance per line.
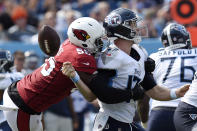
x=127, y=59
x=175, y=67
x=6, y=78
x=185, y=116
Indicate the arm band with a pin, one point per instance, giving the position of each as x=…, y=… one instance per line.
x=173, y=94
x=76, y=78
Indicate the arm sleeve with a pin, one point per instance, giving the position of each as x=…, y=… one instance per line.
x=148, y=81
x=99, y=86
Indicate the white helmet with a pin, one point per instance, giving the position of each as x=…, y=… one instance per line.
x=85, y=32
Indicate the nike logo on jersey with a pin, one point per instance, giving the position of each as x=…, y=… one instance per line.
x=86, y=63
x=193, y=116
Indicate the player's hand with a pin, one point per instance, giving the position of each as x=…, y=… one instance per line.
x=149, y=65
x=137, y=92
x=68, y=70
x=180, y=92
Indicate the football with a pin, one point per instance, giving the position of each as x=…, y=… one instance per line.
x=49, y=40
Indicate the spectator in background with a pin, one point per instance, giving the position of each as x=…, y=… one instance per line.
x=71, y=15
x=61, y=116
x=31, y=61
x=124, y=5
x=5, y=19
x=46, y=5
x=80, y=107
x=19, y=59
x=21, y=31
x=103, y=10
x=149, y=21
x=65, y=16
x=162, y=18
x=8, y=6
x=84, y=6
x=49, y=19
x=100, y=11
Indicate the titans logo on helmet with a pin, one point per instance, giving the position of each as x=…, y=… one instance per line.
x=81, y=34
x=113, y=19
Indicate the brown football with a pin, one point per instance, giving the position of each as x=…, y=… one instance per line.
x=49, y=40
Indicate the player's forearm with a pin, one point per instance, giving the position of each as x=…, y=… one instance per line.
x=159, y=93
x=85, y=91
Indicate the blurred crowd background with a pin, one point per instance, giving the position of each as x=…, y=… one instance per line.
x=20, y=21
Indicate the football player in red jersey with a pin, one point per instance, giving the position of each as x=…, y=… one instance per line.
x=27, y=98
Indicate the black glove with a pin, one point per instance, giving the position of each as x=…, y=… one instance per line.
x=137, y=92
x=149, y=65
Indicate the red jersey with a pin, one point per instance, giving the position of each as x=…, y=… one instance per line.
x=47, y=85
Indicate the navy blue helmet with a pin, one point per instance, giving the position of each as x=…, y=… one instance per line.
x=6, y=61
x=124, y=23
x=175, y=36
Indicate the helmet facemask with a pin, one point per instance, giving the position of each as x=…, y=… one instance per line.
x=138, y=29
x=100, y=44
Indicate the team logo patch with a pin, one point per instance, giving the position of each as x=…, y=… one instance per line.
x=113, y=19
x=81, y=34
x=193, y=116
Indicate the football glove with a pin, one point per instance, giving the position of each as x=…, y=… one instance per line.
x=137, y=92
x=149, y=65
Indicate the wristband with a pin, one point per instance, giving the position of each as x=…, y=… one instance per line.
x=173, y=94
x=76, y=78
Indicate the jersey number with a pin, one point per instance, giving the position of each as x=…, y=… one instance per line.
x=132, y=82
x=46, y=72
x=182, y=70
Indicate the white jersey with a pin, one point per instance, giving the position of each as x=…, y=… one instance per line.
x=191, y=95
x=5, y=80
x=173, y=69
x=128, y=73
